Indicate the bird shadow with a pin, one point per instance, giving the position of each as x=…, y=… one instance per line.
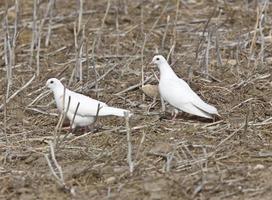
x=187, y=117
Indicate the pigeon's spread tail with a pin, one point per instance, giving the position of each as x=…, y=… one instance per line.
x=104, y=111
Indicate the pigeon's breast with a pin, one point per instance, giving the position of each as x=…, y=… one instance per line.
x=80, y=120
x=172, y=91
x=166, y=89
x=59, y=102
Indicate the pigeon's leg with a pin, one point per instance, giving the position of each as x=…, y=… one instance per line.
x=72, y=128
x=174, y=114
x=214, y=118
x=163, y=104
x=86, y=129
x=90, y=128
x=94, y=128
x=152, y=104
x=66, y=128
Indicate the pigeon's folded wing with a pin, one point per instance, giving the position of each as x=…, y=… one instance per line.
x=89, y=107
x=82, y=105
x=179, y=94
x=204, y=106
x=194, y=110
x=197, y=101
x=175, y=93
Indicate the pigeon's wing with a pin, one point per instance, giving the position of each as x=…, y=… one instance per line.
x=192, y=109
x=179, y=94
x=89, y=107
x=205, y=107
x=175, y=91
x=198, y=102
x=82, y=105
x=114, y=111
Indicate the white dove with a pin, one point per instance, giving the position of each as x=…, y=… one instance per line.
x=178, y=93
x=82, y=108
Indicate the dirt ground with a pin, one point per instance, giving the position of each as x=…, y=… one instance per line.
x=222, y=48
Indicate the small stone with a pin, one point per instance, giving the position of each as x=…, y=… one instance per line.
x=110, y=180
x=258, y=167
x=150, y=90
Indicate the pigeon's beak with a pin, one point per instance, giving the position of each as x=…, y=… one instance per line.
x=47, y=85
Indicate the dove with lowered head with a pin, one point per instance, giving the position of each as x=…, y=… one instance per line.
x=80, y=109
x=178, y=93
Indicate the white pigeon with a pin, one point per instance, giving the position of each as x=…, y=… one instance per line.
x=87, y=107
x=178, y=93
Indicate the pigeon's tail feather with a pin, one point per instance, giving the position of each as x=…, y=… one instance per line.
x=207, y=108
x=190, y=108
x=113, y=111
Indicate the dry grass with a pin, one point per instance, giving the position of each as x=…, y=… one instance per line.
x=102, y=49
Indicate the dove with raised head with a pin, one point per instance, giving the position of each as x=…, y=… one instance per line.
x=81, y=110
x=178, y=93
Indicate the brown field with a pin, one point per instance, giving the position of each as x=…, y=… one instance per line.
x=221, y=47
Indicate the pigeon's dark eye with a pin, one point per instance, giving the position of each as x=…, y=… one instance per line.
x=51, y=82
x=157, y=58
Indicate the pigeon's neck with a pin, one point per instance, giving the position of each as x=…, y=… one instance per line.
x=59, y=91
x=166, y=71
x=58, y=95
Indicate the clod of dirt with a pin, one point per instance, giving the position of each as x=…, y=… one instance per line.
x=161, y=148
x=156, y=189
x=110, y=180
x=151, y=90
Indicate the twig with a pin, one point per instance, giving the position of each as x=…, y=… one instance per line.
x=78, y=44
x=170, y=51
x=61, y=119
x=218, y=54
x=39, y=97
x=56, y=169
x=142, y=61
x=94, y=69
x=174, y=39
x=77, y=71
x=9, y=47
x=165, y=32
x=253, y=41
x=34, y=32
x=129, y=153
x=142, y=16
x=39, y=38
x=72, y=122
x=169, y=159
x=51, y=3
x=102, y=24
x=140, y=145
x=100, y=78
x=18, y=91
x=80, y=16
x=117, y=29
x=97, y=112
x=5, y=121
x=207, y=54
x=261, y=22
x=227, y=138
x=134, y=86
x=59, y=142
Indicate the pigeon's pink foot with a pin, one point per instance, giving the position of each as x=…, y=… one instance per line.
x=174, y=114
x=66, y=128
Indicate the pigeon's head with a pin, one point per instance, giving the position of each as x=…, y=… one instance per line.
x=158, y=60
x=53, y=84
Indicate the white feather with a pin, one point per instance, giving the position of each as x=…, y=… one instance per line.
x=84, y=108
x=178, y=93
